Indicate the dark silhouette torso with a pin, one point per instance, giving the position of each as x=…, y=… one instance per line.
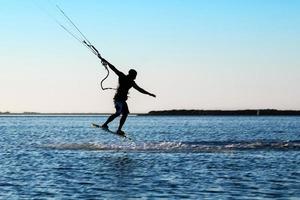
x=125, y=83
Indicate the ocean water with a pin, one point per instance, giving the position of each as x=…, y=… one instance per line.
x=63, y=157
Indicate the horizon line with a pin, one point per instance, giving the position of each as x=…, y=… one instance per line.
x=149, y=112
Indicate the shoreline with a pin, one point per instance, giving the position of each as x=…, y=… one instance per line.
x=179, y=112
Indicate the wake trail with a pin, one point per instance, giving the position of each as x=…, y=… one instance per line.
x=173, y=147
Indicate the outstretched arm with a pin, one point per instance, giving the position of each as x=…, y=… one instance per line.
x=105, y=62
x=141, y=90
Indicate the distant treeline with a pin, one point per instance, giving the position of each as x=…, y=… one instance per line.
x=264, y=112
x=4, y=113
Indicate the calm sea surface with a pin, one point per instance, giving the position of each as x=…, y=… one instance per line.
x=62, y=157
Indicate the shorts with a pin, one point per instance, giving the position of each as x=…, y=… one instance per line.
x=121, y=107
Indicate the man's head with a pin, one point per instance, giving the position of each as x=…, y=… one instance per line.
x=132, y=74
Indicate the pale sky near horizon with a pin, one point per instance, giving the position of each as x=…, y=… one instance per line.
x=193, y=54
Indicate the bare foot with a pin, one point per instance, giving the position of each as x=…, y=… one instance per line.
x=120, y=132
x=104, y=126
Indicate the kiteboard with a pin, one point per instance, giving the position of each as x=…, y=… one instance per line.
x=110, y=131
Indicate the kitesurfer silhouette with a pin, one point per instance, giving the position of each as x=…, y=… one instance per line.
x=125, y=83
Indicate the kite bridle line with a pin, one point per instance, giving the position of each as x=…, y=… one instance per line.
x=84, y=41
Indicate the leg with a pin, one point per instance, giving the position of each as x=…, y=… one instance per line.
x=125, y=112
x=118, y=107
x=111, y=118
x=122, y=121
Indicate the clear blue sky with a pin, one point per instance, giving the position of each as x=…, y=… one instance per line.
x=193, y=54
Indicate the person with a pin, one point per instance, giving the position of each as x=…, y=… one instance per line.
x=125, y=83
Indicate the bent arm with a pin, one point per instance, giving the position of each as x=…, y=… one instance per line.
x=141, y=90
x=105, y=62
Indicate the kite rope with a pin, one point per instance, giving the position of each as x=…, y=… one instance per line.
x=82, y=40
